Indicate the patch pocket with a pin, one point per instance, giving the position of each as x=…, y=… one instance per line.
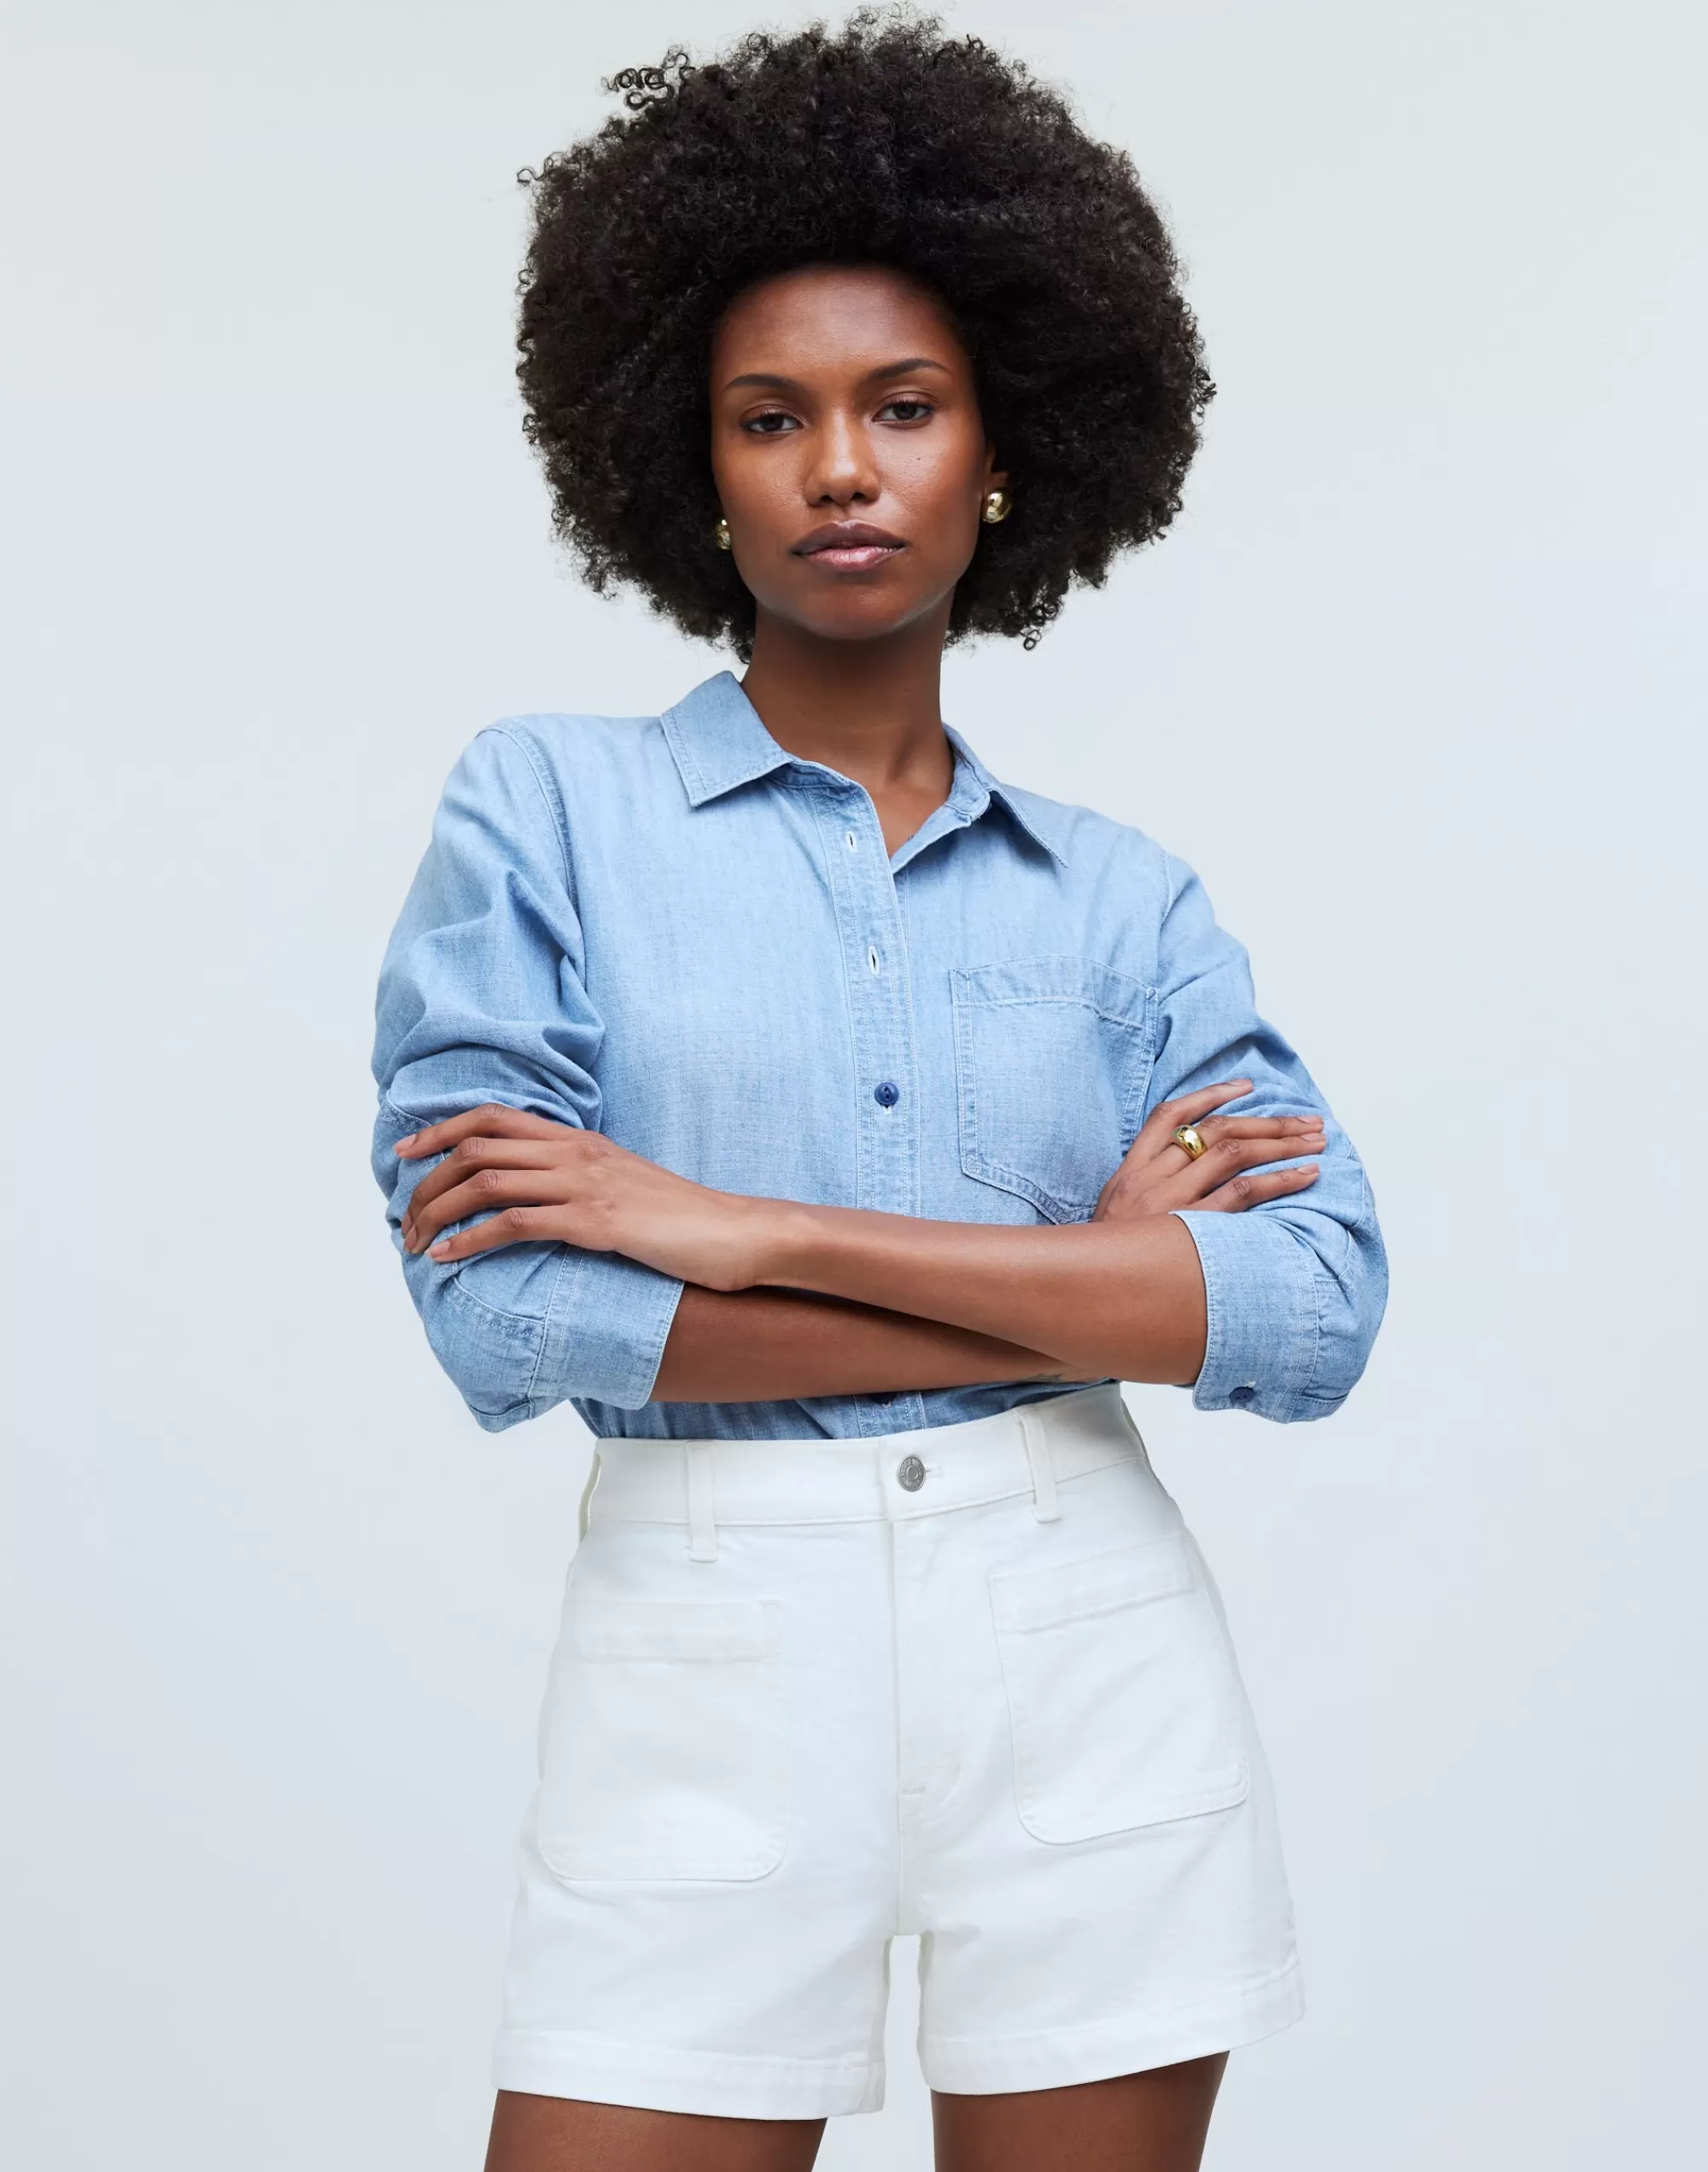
x=663, y=1753
x=1052, y=1058
x=1124, y=1704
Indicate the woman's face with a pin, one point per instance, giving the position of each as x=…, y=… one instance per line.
x=848, y=449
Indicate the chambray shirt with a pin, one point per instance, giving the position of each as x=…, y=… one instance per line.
x=668, y=929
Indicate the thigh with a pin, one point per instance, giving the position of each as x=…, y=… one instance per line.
x=565, y=2134
x=1154, y=2122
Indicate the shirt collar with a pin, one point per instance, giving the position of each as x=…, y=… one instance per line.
x=1041, y=820
x=718, y=741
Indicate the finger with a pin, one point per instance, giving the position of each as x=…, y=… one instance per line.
x=478, y=1151
x=1228, y=1157
x=1254, y=1186
x=1155, y=1140
x=485, y=1191
x=1193, y=1183
x=1281, y=1135
x=1215, y=1128
x=491, y=1119
x=1189, y=1107
x=515, y=1226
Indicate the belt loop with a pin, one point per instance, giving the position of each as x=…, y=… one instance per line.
x=702, y=1529
x=1045, y=1505
x=584, y=1512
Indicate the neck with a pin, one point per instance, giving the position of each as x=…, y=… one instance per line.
x=871, y=709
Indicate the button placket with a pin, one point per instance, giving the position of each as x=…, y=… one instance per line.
x=868, y=922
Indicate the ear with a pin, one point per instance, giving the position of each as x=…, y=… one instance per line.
x=995, y=478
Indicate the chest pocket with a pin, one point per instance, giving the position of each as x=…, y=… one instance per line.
x=1052, y=1058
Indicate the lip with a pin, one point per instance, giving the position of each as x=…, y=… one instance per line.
x=851, y=546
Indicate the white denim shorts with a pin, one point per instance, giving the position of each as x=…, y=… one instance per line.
x=973, y=1683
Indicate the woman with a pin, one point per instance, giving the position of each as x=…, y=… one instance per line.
x=834, y=1126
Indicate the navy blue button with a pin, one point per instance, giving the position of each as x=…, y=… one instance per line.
x=886, y=1095
x=1242, y=1396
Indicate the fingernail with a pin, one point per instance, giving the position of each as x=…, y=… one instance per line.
x=439, y=1250
x=408, y=1139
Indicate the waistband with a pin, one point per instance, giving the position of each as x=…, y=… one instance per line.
x=703, y=1484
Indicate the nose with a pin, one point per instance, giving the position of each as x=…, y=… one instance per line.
x=842, y=470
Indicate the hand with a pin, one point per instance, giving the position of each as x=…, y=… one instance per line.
x=1158, y=1176
x=540, y=1180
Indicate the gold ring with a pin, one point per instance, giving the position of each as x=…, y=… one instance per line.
x=1187, y=1137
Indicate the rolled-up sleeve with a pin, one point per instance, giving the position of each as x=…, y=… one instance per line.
x=482, y=998
x=1295, y=1288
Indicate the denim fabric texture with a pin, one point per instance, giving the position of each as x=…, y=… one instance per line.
x=668, y=929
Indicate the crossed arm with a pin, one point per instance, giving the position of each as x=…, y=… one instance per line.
x=785, y=1300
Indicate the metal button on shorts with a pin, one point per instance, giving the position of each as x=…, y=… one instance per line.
x=911, y=1474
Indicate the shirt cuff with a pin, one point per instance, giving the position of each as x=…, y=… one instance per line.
x=605, y=1330
x=1260, y=1297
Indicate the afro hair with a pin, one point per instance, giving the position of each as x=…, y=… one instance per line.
x=884, y=143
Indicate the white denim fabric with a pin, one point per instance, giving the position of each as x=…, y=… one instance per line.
x=973, y=1682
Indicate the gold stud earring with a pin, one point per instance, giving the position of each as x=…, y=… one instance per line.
x=997, y=506
x=721, y=533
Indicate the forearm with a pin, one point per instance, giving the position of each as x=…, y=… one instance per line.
x=767, y=1345
x=1111, y=1298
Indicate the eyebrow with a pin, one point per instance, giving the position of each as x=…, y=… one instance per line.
x=904, y=368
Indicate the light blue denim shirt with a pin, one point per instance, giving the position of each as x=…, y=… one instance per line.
x=670, y=930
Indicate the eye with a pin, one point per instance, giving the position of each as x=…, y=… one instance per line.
x=771, y=423
x=908, y=409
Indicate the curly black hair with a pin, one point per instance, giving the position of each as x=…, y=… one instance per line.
x=884, y=143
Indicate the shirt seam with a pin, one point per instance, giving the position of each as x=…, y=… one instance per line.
x=564, y=1259
x=555, y=812
x=1319, y=1275
x=823, y=813
x=1302, y=1362
x=659, y=1338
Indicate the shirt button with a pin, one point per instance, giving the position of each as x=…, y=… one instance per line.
x=1243, y=1395
x=910, y=1474
x=888, y=1094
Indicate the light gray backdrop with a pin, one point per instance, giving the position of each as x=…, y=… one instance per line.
x=1413, y=684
